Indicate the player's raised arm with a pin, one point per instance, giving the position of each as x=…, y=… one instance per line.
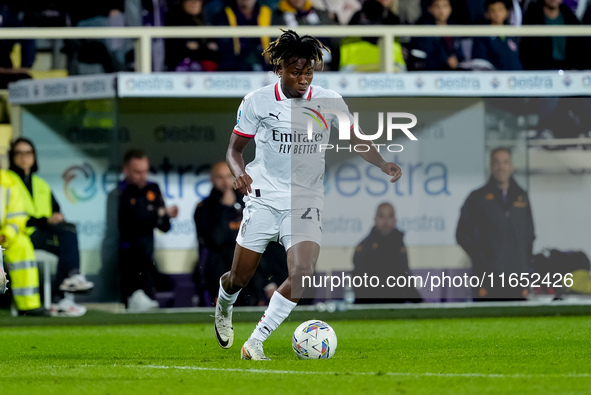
x=235, y=161
x=375, y=158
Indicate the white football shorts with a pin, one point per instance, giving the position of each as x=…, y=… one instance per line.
x=262, y=224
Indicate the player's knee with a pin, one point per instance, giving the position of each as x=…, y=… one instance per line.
x=301, y=272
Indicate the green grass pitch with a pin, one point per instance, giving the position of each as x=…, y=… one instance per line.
x=543, y=355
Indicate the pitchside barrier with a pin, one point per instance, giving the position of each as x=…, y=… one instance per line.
x=82, y=125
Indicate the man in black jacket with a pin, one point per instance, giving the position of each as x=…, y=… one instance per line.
x=141, y=210
x=496, y=230
x=383, y=253
x=217, y=219
x=551, y=53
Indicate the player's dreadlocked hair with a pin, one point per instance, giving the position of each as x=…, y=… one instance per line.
x=290, y=45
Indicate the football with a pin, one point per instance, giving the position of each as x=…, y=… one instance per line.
x=314, y=339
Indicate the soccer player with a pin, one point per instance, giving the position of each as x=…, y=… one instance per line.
x=283, y=185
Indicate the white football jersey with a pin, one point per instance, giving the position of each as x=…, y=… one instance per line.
x=288, y=169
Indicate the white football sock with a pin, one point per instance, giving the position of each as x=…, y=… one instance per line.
x=278, y=310
x=225, y=300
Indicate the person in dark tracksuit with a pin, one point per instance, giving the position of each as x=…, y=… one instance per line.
x=496, y=230
x=141, y=209
x=383, y=253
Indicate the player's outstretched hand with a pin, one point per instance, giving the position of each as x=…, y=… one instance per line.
x=392, y=169
x=242, y=184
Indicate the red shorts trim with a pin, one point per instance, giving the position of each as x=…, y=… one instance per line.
x=243, y=134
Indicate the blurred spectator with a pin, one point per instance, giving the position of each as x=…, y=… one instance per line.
x=363, y=53
x=294, y=13
x=243, y=54
x=409, y=11
x=501, y=52
x=340, y=10
x=496, y=229
x=375, y=12
x=19, y=255
x=12, y=14
x=516, y=13
x=464, y=12
x=144, y=13
x=586, y=19
x=217, y=220
x=141, y=210
x=468, y=12
x=213, y=7
x=518, y=8
x=83, y=11
x=578, y=7
x=435, y=53
x=47, y=13
x=109, y=54
x=190, y=54
x=551, y=53
x=48, y=229
x=383, y=253
x=147, y=12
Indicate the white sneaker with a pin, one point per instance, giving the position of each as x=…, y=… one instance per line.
x=139, y=302
x=224, y=332
x=67, y=308
x=253, y=349
x=76, y=283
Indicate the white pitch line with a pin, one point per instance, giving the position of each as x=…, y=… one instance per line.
x=396, y=374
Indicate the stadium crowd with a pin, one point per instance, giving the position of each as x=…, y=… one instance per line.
x=350, y=54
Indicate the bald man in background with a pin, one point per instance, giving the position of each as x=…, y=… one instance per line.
x=217, y=219
x=383, y=253
x=496, y=229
